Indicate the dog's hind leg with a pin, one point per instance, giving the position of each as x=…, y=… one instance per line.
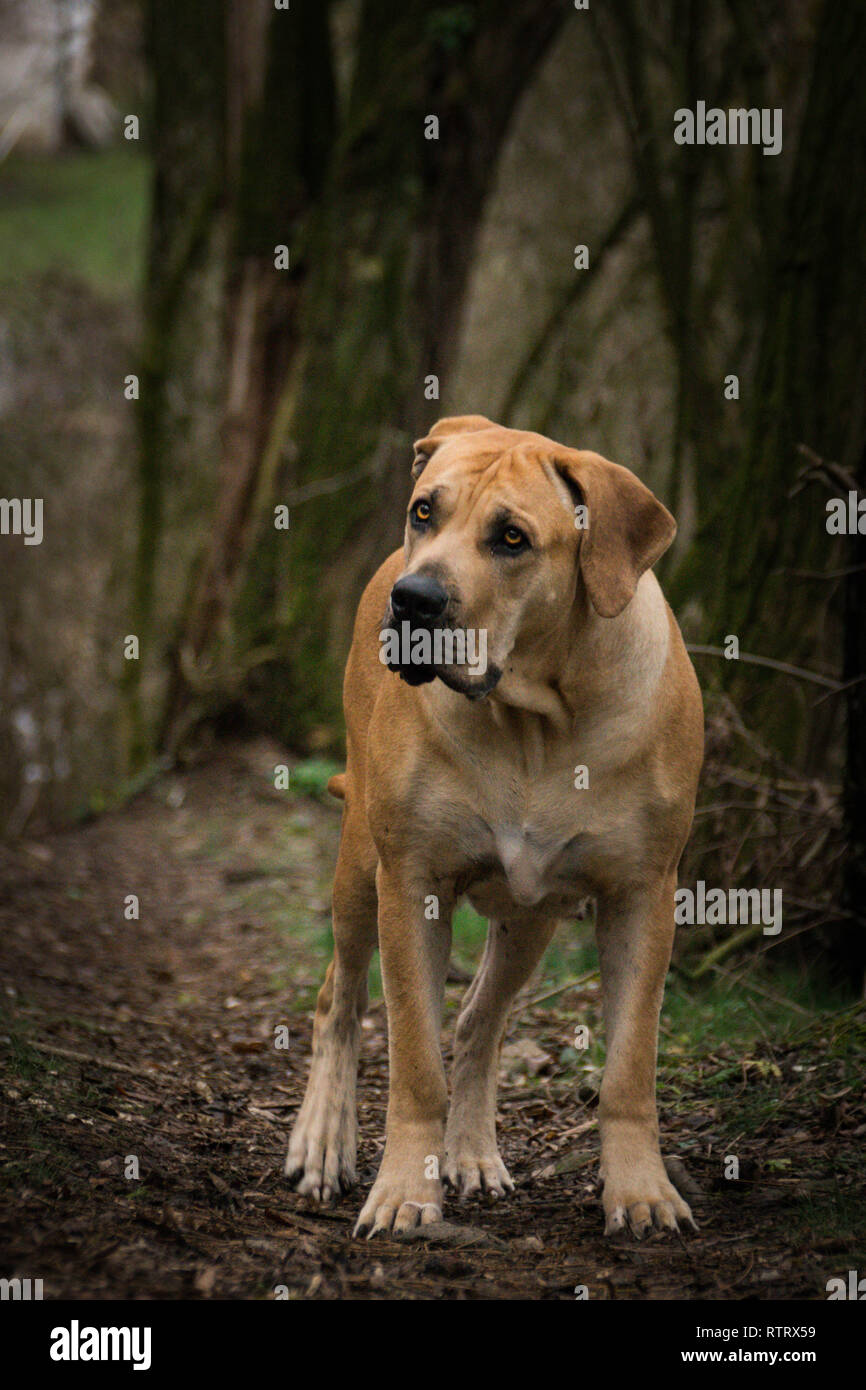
x=635, y=932
x=323, y=1143
x=472, y=1160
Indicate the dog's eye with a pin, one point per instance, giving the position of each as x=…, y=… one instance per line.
x=510, y=541
x=422, y=512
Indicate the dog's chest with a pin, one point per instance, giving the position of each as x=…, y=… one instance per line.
x=554, y=848
x=531, y=864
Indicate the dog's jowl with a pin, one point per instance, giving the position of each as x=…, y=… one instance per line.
x=460, y=781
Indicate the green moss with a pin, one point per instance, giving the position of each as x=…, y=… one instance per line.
x=84, y=213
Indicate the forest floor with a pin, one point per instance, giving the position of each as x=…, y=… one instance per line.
x=154, y=1040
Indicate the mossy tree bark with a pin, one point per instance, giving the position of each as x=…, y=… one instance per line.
x=294, y=376
x=808, y=386
x=854, y=671
x=391, y=250
x=182, y=366
x=806, y=390
x=242, y=122
x=281, y=122
x=784, y=259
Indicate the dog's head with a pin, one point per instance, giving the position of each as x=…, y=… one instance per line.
x=507, y=532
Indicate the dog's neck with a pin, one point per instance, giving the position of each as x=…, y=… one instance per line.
x=578, y=673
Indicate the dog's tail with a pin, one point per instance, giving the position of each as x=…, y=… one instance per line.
x=337, y=786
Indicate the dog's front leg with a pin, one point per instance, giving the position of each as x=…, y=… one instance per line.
x=635, y=937
x=472, y=1159
x=414, y=954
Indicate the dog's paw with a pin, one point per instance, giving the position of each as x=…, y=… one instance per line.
x=321, y=1157
x=640, y=1198
x=401, y=1197
x=471, y=1169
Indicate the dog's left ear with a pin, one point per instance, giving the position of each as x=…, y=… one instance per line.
x=627, y=528
x=442, y=430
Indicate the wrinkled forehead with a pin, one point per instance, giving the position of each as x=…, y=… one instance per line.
x=497, y=469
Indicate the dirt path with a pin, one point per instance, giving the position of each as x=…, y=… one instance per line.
x=153, y=1039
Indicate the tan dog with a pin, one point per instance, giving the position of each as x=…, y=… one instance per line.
x=466, y=783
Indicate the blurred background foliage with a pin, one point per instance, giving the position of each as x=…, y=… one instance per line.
x=410, y=258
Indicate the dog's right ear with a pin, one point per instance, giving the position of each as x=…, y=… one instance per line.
x=444, y=429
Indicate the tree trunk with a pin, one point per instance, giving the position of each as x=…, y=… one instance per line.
x=385, y=298
x=182, y=366
x=809, y=382
x=854, y=896
x=242, y=127
x=280, y=104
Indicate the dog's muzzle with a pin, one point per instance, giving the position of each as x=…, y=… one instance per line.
x=418, y=602
x=419, y=644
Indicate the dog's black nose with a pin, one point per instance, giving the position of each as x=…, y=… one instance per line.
x=418, y=598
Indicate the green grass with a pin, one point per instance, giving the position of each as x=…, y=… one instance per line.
x=47, y=1159
x=569, y=954
x=311, y=777
x=698, y=1019
x=84, y=213
x=470, y=932
x=27, y=1064
x=837, y=1214
x=566, y=957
